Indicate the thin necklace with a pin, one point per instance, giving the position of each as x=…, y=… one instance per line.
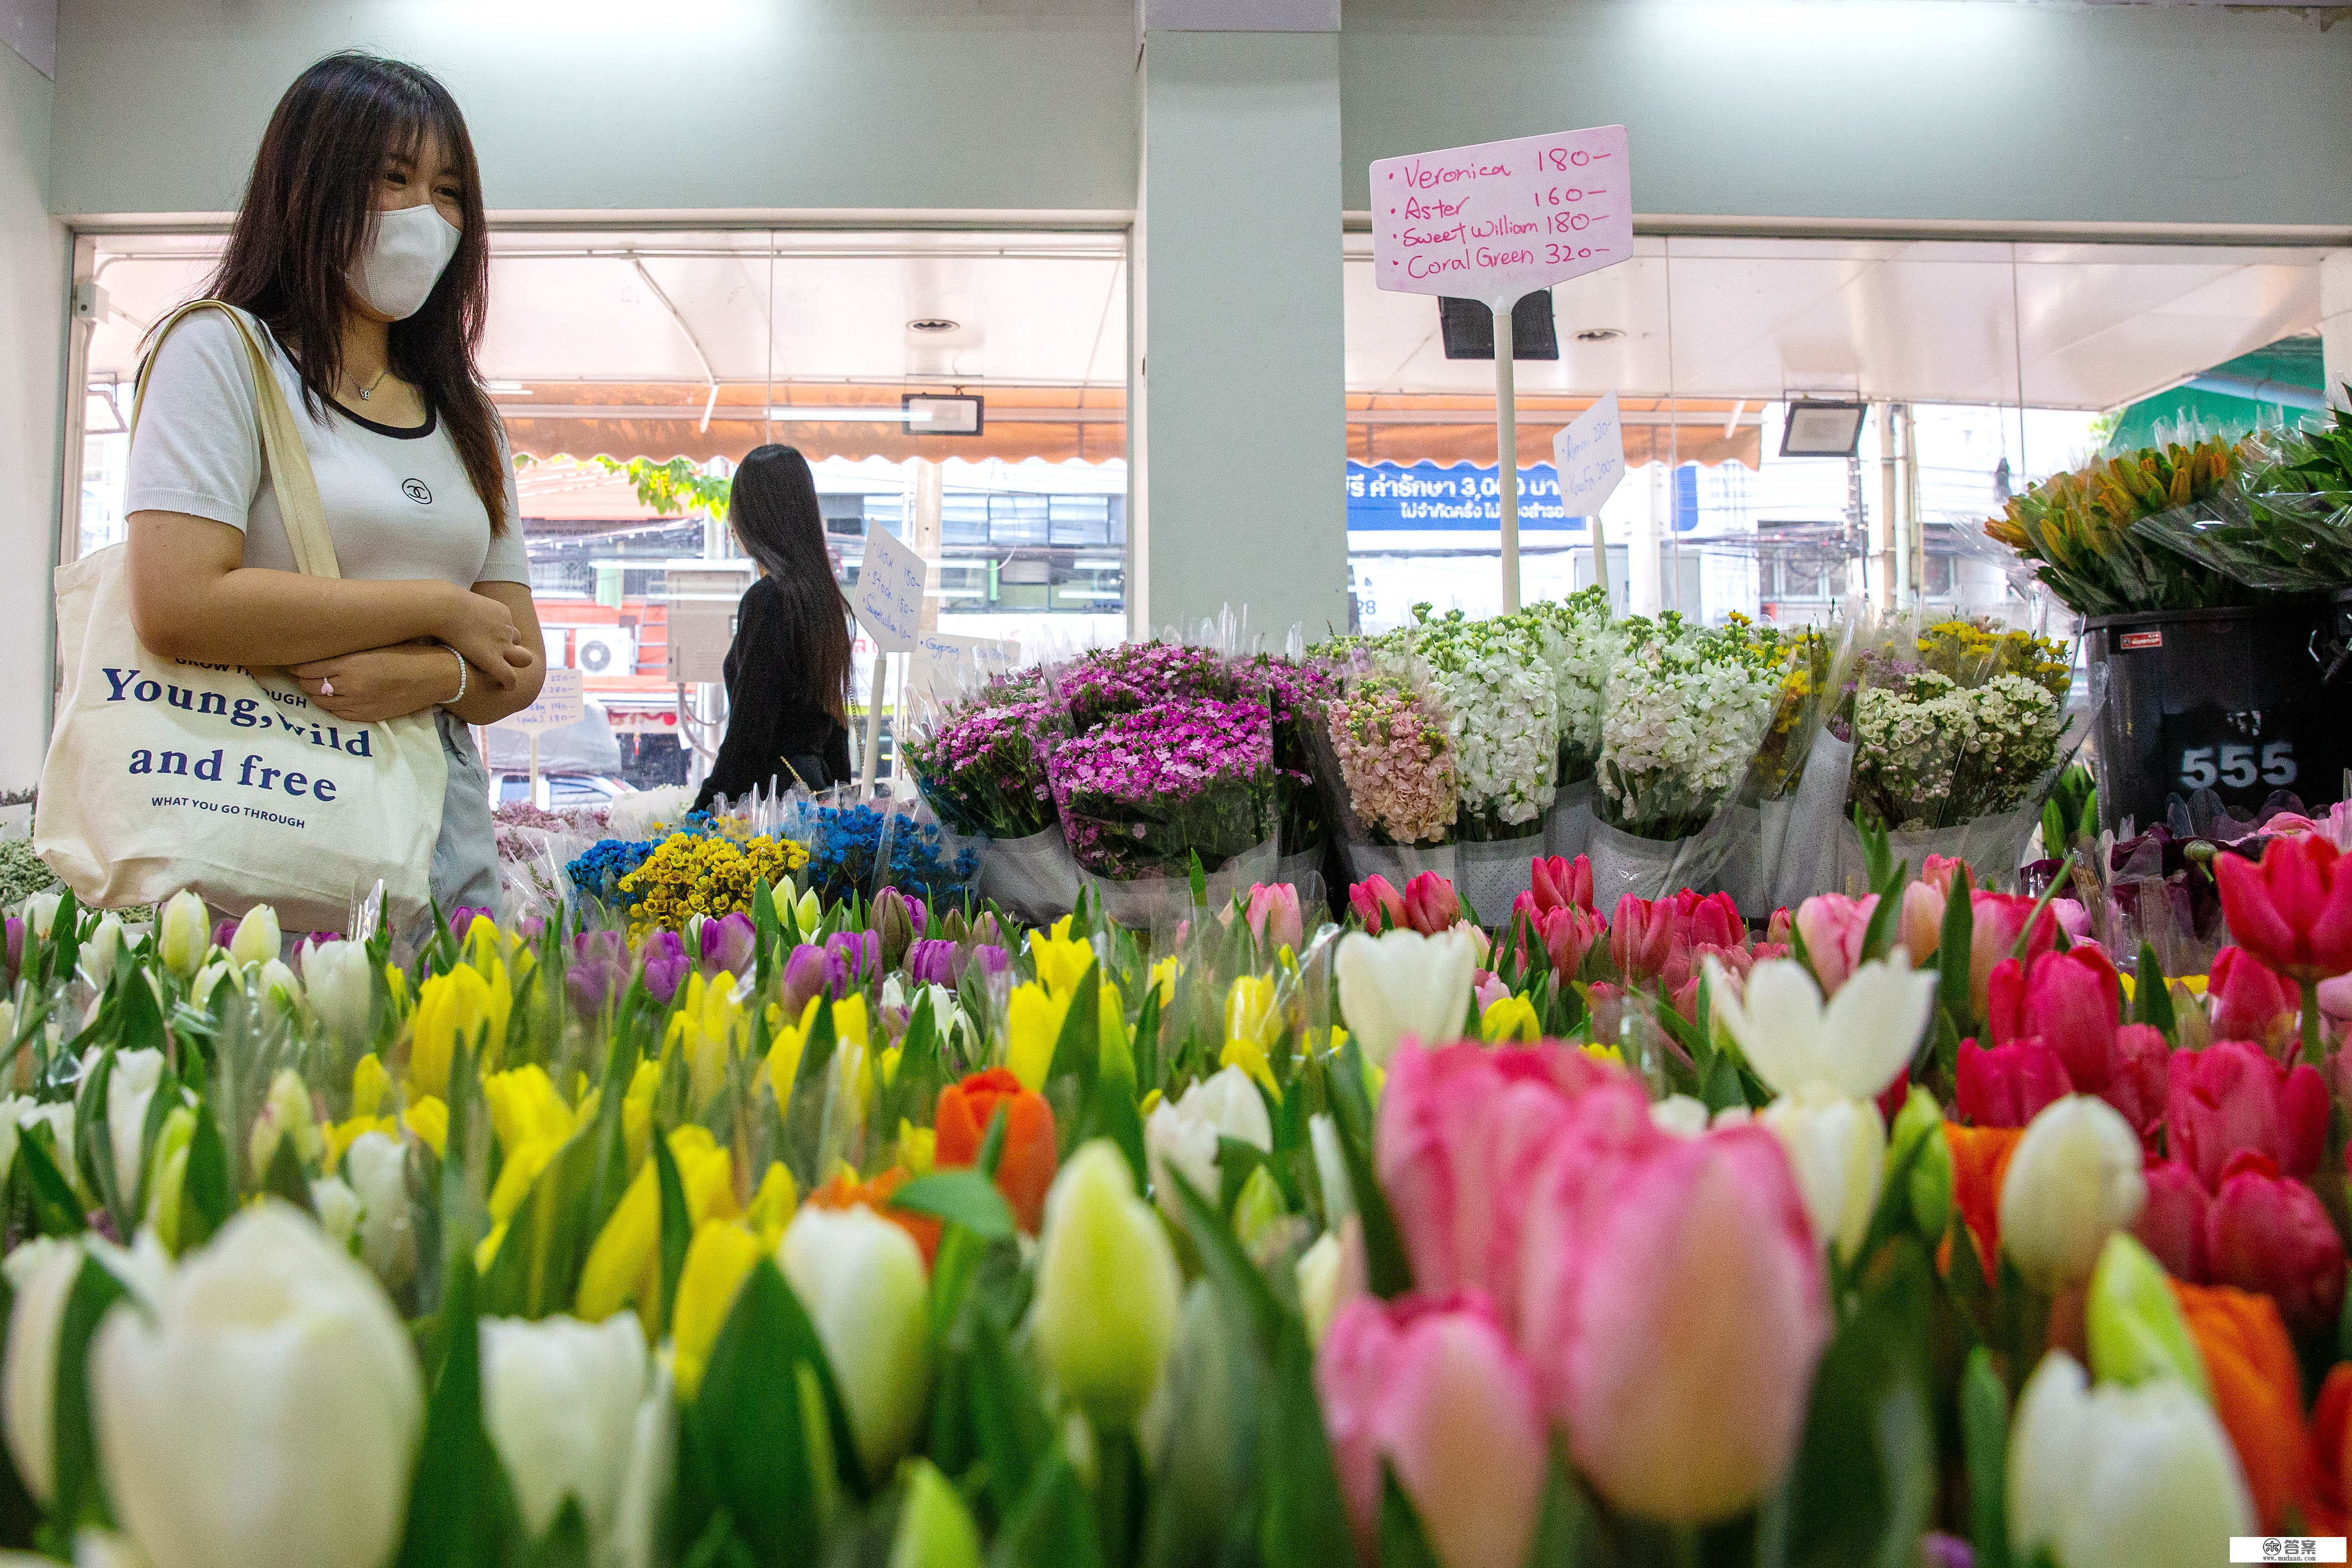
x=368, y=390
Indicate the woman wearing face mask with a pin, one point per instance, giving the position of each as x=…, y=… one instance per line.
x=362, y=252
x=788, y=671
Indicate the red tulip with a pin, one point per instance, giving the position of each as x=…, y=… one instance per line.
x=2173, y=1223
x=1377, y=904
x=1997, y=919
x=2230, y=1098
x=2070, y=1000
x=2294, y=911
x=1431, y=904
x=1641, y=938
x=2267, y=1233
x=2139, y=1080
x=1714, y=920
x=1560, y=883
x=2005, y=1086
x=2246, y=1001
x=1025, y=1166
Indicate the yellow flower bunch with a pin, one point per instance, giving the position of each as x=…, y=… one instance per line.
x=1972, y=652
x=702, y=874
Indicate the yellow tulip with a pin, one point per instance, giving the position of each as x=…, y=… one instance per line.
x=460, y=1003
x=918, y=1148
x=428, y=1117
x=625, y=1264
x=637, y=1113
x=1062, y=958
x=1033, y=1026
x=482, y=948
x=1250, y=1011
x=370, y=1084
x=1164, y=976
x=532, y=1124
x=773, y=1205
x=717, y=1264
x=1511, y=1017
x=784, y=1055
x=712, y=1028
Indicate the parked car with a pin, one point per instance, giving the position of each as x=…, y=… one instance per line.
x=563, y=789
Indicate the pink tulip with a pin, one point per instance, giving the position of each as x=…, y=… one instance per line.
x=1377, y=904
x=2071, y=1000
x=1997, y=919
x=2008, y=1085
x=1940, y=872
x=1714, y=920
x=2267, y=1233
x=2245, y=1000
x=1431, y=904
x=1641, y=938
x=1674, y=1310
x=2230, y=1098
x=2294, y=911
x=1273, y=917
x=2073, y=918
x=1779, y=929
x=1432, y=1390
x=1559, y=883
x=2139, y=1077
x=1463, y=1131
x=2172, y=1225
x=1488, y=989
x=1923, y=921
x=1833, y=926
x=1567, y=935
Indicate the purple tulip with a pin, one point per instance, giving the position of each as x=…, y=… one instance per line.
x=806, y=972
x=729, y=943
x=666, y=965
x=593, y=982
x=15, y=944
x=856, y=955
x=531, y=927
x=461, y=920
x=225, y=933
x=931, y=963
x=993, y=960
x=897, y=922
x=611, y=946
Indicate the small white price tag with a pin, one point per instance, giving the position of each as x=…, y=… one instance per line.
x=943, y=661
x=562, y=701
x=1591, y=457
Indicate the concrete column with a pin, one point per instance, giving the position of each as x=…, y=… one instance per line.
x=2336, y=324
x=32, y=288
x=1645, y=585
x=1238, y=430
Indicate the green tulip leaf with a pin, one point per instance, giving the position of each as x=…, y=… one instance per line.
x=286, y=1178
x=1984, y=1443
x=56, y=1210
x=1303, y=1516
x=461, y=1507
x=963, y=1197
x=80, y=1488
x=1955, y=953
x=1009, y=1428
x=1387, y=1272
x=1228, y=1267
x=1404, y=1544
x=94, y=1140
x=207, y=1198
x=1864, y=1485
x=747, y=1426
x=676, y=1227
x=2151, y=997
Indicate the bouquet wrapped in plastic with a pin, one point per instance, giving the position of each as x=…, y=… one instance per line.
x=1959, y=728
x=1296, y=694
x=979, y=759
x=2083, y=530
x=1575, y=640
x=2285, y=525
x=1787, y=815
x=1687, y=710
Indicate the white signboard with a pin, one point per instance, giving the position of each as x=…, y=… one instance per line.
x=946, y=662
x=891, y=593
x=1500, y=221
x=561, y=702
x=1591, y=457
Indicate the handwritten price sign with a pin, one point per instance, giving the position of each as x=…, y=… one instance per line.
x=891, y=593
x=562, y=701
x=1589, y=455
x=1500, y=221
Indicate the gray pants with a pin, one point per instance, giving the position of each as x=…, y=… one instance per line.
x=466, y=859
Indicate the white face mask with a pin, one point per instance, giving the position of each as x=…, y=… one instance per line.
x=404, y=259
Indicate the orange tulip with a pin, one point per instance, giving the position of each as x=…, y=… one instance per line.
x=1981, y=1158
x=2331, y=1455
x=845, y=1191
x=2257, y=1393
x=1025, y=1167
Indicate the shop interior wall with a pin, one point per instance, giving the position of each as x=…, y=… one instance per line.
x=33, y=270
x=615, y=105
x=1920, y=109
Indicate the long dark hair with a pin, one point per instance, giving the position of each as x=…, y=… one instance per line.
x=772, y=509
x=309, y=207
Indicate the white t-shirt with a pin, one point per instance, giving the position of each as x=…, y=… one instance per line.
x=398, y=502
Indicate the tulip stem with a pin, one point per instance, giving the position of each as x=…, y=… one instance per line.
x=2313, y=1052
x=1686, y=1546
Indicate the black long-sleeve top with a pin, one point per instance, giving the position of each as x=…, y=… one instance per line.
x=775, y=718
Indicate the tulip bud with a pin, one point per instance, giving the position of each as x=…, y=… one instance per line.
x=42, y=1273
x=664, y=964
x=287, y=1359
x=2136, y=1328
x=1104, y=1311
x=1402, y=984
x=2069, y=1001
x=1920, y=1123
x=1837, y=1151
x=1273, y=917
x=257, y=938
x=2120, y=1478
x=2267, y=1233
x=377, y=1168
x=339, y=1210
x=1377, y=904
x=893, y=924
x=1183, y=1134
x=2008, y=1085
x=560, y=1400
x=1025, y=1165
x=808, y=974
x=104, y=946
x=280, y=988
x=342, y=984
x=1833, y=927
x=861, y=1279
x=730, y=943
x=935, y=1528
x=1320, y=1271
x=2230, y=1098
x=2293, y=909
x=185, y=935
x=41, y=909
x=2074, y=1181
x=1641, y=938
x=2246, y=1001
x=1432, y=1392
x=1922, y=921
x=2173, y=1223
x=130, y=1090
x=285, y=1113
x=1431, y=904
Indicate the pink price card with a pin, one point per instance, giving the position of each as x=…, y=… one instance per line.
x=1498, y=222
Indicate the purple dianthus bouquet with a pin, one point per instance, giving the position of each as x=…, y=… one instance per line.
x=980, y=762
x=1148, y=787
x=1097, y=686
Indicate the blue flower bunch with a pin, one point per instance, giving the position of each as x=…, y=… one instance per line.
x=844, y=846
x=597, y=873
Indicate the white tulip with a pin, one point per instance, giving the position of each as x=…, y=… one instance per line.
x=559, y=1398
x=285, y=1113
x=342, y=984
x=861, y=1279
x=377, y=1168
x=280, y=988
x=1680, y=1114
x=1319, y=1270
x=59, y=1117
x=187, y=936
x=1183, y=1134
x=338, y=1209
x=200, y=989
x=2116, y=1477
x=645, y=1478
x=1837, y=1151
x=257, y=938
x=41, y=913
x=105, y=946
x=130, y=1090
x=1856, y=1045
x=42, y=1273
x=2074, y=1181
x=1331, y=1170
x=267, y=1411
x=1402, y=984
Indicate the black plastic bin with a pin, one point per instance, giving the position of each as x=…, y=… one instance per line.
x=2236, y=701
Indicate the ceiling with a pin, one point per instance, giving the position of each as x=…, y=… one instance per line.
x=1744, y=318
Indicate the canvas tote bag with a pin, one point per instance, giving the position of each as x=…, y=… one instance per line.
x=163, y=776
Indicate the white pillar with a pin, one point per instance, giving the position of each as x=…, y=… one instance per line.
x=1237, y=424
x=2335, y=323
x=1644, y=589
x=32, y=286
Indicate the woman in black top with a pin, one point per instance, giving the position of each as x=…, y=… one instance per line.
x=788, y=671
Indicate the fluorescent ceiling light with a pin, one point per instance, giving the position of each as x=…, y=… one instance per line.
x=506, y=388
x=852, y=415
x=1113, y=565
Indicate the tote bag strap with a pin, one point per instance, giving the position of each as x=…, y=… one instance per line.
x=282, y=451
